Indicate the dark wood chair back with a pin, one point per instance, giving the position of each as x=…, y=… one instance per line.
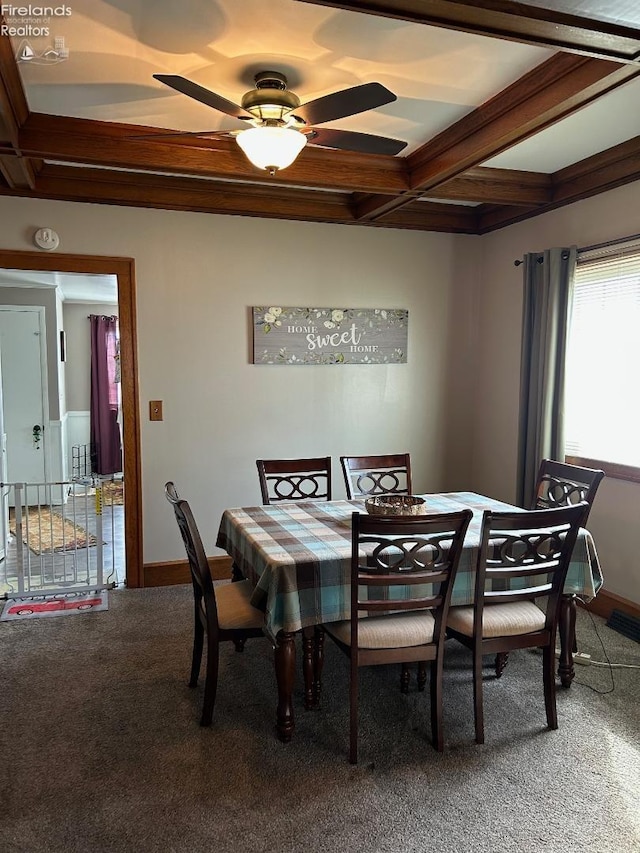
x=198, y=563
x=377, y=475
x=390, y=552
x=525, y=557
x=295, y=479
x=400, y=564
x=219, y=614
x=522, y=565
x=560, y=484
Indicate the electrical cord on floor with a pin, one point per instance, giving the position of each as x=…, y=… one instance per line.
x=608, y=663
x=604, y=651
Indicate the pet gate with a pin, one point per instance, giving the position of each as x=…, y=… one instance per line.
x=54, y=541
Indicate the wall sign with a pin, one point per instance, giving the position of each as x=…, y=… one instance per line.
x=329, y=335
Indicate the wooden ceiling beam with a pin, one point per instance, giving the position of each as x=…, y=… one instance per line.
x=15, y=169
x=497, y=186
x=105, y=186
x=183, y=193
x=431, y=216
x=112, y=144
x=13, y=102
x=585, y=33
x=604, y=171
x=19, y=172
x=176, y=193
x=551, y=91
x=84, y=141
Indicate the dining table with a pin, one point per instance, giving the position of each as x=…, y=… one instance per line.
x=297, y=555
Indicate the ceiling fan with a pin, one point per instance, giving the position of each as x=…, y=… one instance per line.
x=280, y=126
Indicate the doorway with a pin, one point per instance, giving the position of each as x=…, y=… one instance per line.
x=123, y=270
x=25, y=393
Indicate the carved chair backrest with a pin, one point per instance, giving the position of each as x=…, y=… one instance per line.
x=402, y=563
x=295, y=479
x=377, y=475
x=525, y=556
x=560, y=484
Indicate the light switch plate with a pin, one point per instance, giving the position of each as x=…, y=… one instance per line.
x=155, y=410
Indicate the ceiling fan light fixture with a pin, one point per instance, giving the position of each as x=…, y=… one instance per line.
x=271, y=148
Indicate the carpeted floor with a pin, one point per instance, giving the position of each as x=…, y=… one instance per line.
x=101, y=749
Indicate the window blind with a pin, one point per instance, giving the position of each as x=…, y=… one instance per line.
x=602, y=391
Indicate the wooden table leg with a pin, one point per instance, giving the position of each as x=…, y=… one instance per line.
x=285, y=663
x=405, y=678
x=567, y=630
x=308, y=651
x=318, y=663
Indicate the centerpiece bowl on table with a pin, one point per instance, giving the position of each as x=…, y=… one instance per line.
x=396, y=505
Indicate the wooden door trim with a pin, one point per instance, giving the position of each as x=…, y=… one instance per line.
x=124, y=270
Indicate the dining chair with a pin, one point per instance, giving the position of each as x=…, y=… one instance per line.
x=522, y=564
x=390, y=556
x=381, y=475
x=221, y=612
x=377, y=475
x=561, y=484
x=295, y=479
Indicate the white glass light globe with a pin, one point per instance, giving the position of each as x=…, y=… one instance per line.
x=271, y=148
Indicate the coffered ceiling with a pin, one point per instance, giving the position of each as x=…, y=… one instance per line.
x=508, y=109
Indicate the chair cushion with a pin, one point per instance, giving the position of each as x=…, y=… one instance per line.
x=387, y=632
x=499, y=620
x=234, y=607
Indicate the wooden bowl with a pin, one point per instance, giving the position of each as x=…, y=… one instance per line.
x=396, y=505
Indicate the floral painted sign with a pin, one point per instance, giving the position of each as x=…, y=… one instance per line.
x=329, y=335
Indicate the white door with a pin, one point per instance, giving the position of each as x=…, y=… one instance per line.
x=22, y=344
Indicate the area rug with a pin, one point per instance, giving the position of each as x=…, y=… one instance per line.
x=113, y=493
x=64, y=604
x=49, y=532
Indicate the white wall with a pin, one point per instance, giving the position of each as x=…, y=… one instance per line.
x=616, y=512
x=197, y=277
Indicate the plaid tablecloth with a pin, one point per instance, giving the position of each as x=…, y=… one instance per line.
x=298, y=556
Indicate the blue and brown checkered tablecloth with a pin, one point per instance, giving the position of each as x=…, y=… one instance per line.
x=298, y=556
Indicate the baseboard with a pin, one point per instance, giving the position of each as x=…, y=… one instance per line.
x=606, y=602
x=165, y=574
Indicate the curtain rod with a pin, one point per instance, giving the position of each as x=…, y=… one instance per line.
x=594, y=247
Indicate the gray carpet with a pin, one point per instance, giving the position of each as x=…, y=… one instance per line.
x=101, y=749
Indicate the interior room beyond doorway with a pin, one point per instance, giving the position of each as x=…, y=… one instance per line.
x=86, y=286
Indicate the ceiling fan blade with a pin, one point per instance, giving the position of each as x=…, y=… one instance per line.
x=205, y=96
x=204, y=134
x=348, y=102
x=346, y=140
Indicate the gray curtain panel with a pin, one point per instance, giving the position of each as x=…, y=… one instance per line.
x=548, y=293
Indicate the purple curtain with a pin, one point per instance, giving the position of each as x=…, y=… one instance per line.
x=106, y=447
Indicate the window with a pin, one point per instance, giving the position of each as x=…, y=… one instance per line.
x=602, y=392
